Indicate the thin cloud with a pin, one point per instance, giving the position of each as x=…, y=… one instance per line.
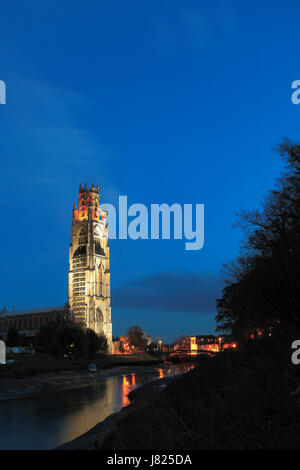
x=171, y=292
x=51, y=142
x=194, y=29
x=203, y=29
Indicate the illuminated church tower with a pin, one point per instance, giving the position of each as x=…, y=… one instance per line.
x=89, y=275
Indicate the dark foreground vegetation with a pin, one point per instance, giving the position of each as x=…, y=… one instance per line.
x=262, y=292
x=243, y=399
x=249, y=398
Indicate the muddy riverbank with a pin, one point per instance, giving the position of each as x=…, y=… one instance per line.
x=11, y=388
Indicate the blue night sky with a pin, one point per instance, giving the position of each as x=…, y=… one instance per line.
x=162, y=101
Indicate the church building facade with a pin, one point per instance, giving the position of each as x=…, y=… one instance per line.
x=89, y=273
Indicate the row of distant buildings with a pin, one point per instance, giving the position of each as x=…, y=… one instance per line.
x=210, y=343
x=29, y=322
x=193, y=345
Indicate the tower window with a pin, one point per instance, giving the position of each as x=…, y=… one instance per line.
x=81, y=250
x=98, y=249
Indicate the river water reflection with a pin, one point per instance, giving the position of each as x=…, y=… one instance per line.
x=49, y=419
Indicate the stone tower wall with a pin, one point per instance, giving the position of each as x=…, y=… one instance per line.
x=89, y=273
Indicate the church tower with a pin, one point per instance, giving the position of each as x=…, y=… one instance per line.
x=89, y=275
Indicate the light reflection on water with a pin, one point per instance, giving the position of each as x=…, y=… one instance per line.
x=51, y=418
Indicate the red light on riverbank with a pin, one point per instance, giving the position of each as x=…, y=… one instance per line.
x=125, y=391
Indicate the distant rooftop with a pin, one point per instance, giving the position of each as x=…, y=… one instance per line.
x=61, y=308
x=203, y=336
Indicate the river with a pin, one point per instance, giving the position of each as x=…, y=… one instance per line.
x=51, y=418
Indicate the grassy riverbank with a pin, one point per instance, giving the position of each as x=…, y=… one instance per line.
x=28, y=366
x=247, y=399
